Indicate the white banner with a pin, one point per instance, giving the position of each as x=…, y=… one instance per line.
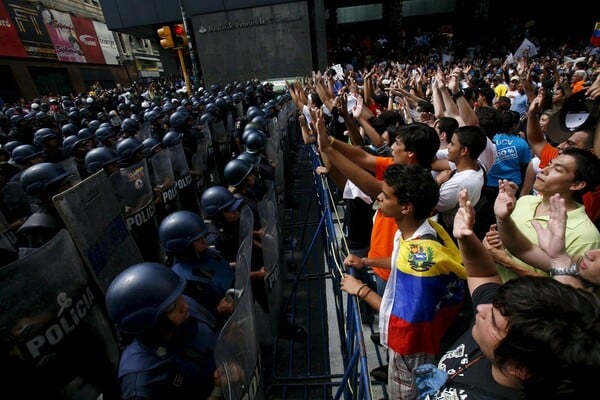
x=107, y=42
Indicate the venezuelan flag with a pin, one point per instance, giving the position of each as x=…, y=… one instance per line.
x=595, y=39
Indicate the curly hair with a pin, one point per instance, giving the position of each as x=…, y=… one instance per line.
x=553, y=332
x=413, y=185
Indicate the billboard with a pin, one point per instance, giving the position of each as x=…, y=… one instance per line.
x=10, y=44
x=107, y=43
x=88, y=41
x=264, y=42
x=31, y=30
x=62, y=34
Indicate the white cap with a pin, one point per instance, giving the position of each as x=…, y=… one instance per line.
x=89, y=100
x=145, y=104
x=34, y=106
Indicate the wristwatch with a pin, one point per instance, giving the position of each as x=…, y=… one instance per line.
x=570, y=270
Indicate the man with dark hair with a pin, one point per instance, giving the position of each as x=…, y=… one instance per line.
x=571, y=175
x=464, y=146
x=424, y=292
x=532, y=338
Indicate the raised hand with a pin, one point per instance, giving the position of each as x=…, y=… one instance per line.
x=551, y=239
x=506, y=200
x=465, y=216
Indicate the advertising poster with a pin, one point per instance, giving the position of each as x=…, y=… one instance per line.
x=107, y=43
x=10, y=44
x=86, y=35
x=62, y=34
x=30, y=28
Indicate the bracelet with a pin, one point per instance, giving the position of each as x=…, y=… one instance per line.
x=331, y=140
x=458, y=94
x=366, y=294
x=570, y=270
x=364, y=285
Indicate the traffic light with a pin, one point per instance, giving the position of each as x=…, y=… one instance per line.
x=166, y=37
x=180, y=35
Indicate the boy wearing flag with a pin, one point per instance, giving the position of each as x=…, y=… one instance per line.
x=425, y=290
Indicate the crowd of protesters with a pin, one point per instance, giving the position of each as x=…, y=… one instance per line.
x=475, y=206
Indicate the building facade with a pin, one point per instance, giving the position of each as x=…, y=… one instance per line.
x=63, y=47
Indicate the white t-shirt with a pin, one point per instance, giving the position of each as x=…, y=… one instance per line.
x=448, y=203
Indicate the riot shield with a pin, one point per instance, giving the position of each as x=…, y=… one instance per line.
x=271, y=255
x=91, y=214
x=135, y=197
x=15, y=200
x=236, y=351
x=163, y=182
x=8, y=242
x=200, y=163
x=144, y=132
x=56, y=342
x=221, y=146
x=69, y=165
x=188, y=197
x=263, y=205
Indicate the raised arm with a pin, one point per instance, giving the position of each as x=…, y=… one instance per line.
x=535, y=136
x=359, y=176
x=478, y=263
x=512, y=237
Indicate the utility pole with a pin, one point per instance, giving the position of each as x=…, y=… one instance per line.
x=195, y=73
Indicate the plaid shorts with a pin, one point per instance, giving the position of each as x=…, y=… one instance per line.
x=401, y=379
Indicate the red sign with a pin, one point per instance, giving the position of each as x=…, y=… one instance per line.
x=88, y=41
x=10, y=43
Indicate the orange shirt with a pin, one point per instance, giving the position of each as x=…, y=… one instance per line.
x=384, y=228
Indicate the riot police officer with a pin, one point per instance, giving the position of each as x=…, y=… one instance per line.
x=183, y=235
x=169, y=344
x=42, y=181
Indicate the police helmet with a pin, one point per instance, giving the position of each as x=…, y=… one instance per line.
x=99, y=157
x=216, y=199
x=10, y=146
x=236, y=171
x=72, y=143
x=43, y=135
x=211, y=108
x=85, y=133
x=139, y=295
x=178, y=119
x=106, y=125
x=103, y=134
x=206, y=118
x=255, y=141
x=260, y=120
x=152, y=116
x=74, y=115
x=15, y=119
x=69, y=130
x=250, y=158
x=25, y=152
x=220, y=102
x=171, y=138
x=29, y=117
x=94, y=125
x=42, y=179
x=130, y=125
x=237, y=97
x=168, y=106
x=122, y=107
x=253, y=112
x=180, y=229
x=150, y=145
x=127, y=148
x=41, y=115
